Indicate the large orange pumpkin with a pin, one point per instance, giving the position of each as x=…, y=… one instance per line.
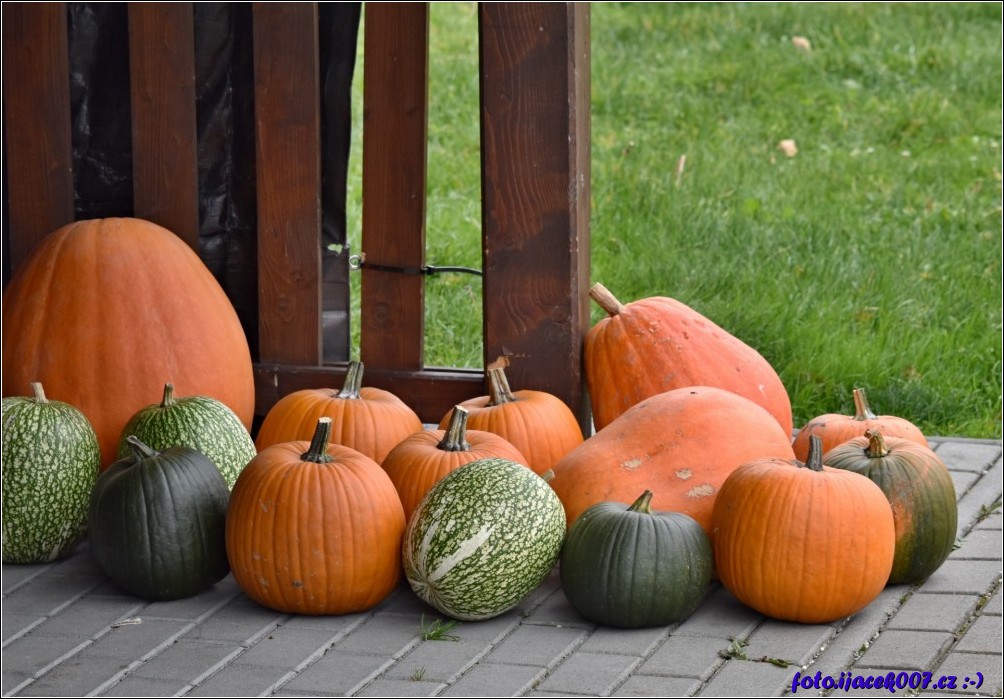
x=681, y=445
x=105, y=312
x=658, y=344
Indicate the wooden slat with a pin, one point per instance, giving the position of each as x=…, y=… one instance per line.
x=287, y=124
x=165, y=150
x=394, y=168
x=430, y=392
x=535, y=193
x=36, y=92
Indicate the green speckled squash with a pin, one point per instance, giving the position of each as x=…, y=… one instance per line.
x=200, y=422
x=50, y=465
x=630, y=567
x=484, y=537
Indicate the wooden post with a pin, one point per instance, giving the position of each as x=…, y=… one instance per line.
x=535, y=193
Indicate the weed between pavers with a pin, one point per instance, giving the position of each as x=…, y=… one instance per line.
x=437, y=630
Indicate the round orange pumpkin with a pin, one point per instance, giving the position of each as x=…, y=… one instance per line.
x=315, y=528
x=801, y=541
x=370, y=420
x=421, y=460
x=834, y=429
x=681, y=445
x=658, y=344
x=104, y=312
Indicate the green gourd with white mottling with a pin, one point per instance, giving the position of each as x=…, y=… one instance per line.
x=483, y=538
x=51, y=461
x=198, y=422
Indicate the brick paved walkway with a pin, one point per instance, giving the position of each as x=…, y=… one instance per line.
x=68, y=632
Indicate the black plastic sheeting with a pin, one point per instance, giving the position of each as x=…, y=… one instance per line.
x=102, y=141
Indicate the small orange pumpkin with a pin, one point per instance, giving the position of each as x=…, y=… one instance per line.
x=834, y=429
x=315, y=528
x=421, y=460
x=370, y=420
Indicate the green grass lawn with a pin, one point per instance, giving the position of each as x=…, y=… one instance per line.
x=871, y=257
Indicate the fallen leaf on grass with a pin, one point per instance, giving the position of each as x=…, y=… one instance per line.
x=788, y=147
x=801, y=43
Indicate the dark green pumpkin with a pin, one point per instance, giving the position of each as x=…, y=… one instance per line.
x=920, y=490
x=631, y=567
x=157, y=522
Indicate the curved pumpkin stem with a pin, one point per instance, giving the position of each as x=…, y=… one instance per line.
x=39, y=393
x=643, y=504
x=862, y=411
x=498, y=387
x=876, y=448
x=139, y=449
x=317, y=452
x=168, y=400
x=455, y=438
x=607, y=301
x=353, y=381
x=814, y=461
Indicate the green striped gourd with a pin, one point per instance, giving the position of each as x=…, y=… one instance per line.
x=198, y=422
x=50, y=465
x=484, y=537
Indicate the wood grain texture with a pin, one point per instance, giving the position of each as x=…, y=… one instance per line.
x=394, y=168
x=287, y=133
x=165, y=143
x=36, y=91
x=535, y=191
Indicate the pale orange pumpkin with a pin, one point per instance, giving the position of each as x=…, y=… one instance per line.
x=104, y=312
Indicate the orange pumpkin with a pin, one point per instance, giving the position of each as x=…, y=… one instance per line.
x=104, y=312
x=421, y=460
x=681, y=445
x=537, y=423
x=834, y=429
x=370, y=420
x=658, y=344
x=315, y=528
x=802, y=542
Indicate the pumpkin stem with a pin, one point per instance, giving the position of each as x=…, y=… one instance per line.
x=814, y=461
x=876, y=448
x=168, y=400
x=498, y=387
x=862, y=411
x=353, y=381
x=36, y=388
x=139, y=449
x=317, y=452
x=455, y=438
x=643, y=503
x=607, y=301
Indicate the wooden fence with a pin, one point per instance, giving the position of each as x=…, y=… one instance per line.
x=534, y=77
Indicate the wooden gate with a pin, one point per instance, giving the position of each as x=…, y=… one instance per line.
x=534, y=76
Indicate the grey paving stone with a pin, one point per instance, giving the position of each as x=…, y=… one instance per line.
x=905, y=650
x=736, y=678
x=968, y=456
x=993, y=606
x=636, y=642
x=238, y=621
x=983, y=636
x=540, y=594
x=135, y=641
x=557, y=610
x=720, y=616
x=963, y=577
x=487, y=629
x=537, y=645
x=195, y=607
x=934, y=612
x=186, y=661
x=17, y=624
x=380, y=635
x=439, y=660
x=239, y=679
x=796, y=644
x=16, y=575
x=287, y=647
x=47, y=594
x=992, y=522
x=13, y=681
x=976, y=508
x=131, y=686
x=81, y=562
x=400, y=688
x=487, y=679
x=88, y=617
x=980, y=544
x=589, y=673
x=965, y=666
x=656, y=686
x=963, y=480
x=334, y=623
x=686, y=656
x=76, y=676
x=32, y=653
x=334, y=673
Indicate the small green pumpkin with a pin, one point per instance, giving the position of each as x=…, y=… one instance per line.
x=158, y=522
x=921, y=492
x=200, y=422
x=631, y=567
x=50, y=465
